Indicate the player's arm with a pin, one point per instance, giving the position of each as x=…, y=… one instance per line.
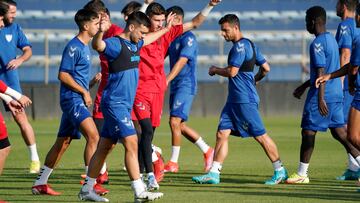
x=263, y=70
x=8, y=94
x=339, y=73
x=352, y=73
x=179, y=65
x=230, y=71
x=345, y=54
x=15, y=63
x=96, y=79
x=200, y=17
x=98, y=43
x=153, y=36
x=69, y=81
x=299, y=91
x=321, y=101
x=145, y=5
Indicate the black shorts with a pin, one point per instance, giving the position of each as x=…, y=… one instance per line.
x=4, y=143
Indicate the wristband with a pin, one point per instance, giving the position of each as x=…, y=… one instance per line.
x=6, y=98
x=205, y=12
x=16, y=95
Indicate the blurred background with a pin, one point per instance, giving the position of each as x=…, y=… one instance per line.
x=276, y=26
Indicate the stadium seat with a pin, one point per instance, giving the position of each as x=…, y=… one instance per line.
x=272, y=15
x=38, y=14
x=55, y=14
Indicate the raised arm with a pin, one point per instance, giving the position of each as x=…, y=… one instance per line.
x=153, y=36
x=200, y=17
x=230, y=71
x=98, y=43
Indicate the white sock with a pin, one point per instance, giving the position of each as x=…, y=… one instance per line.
x=353, y=164
x=33, y=153
x=303, y=169
x=137, y=186
x=103, y=168
x=202, y=145
x=277, y=165
x=216, y=167
x=89, y=184
x=150, y=174
x=86, y=169
x=154, y=157
x=175, y=154
x=358, y=160
x=43, y=176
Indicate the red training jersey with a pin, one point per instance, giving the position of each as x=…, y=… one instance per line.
x=113, y=31
x=3, y=86
x=152, y=58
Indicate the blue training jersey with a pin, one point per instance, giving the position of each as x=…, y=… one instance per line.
x=324, y=54
x=345, y=34
x=184, y=46
x=355, y=61
x=121, y=86
x=75, y=61
x=242, y=87
x=11, y=38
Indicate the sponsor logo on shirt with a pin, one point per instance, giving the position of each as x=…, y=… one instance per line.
x=8, y=37
x=318, y=48
x=72, y=51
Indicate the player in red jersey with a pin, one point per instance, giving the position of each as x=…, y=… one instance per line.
x=149, y=97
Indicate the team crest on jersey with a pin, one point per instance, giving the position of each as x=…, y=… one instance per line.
x=240, y=47
x=318, y=48
x=190, y=41
x=343, y=30
x=8, y=37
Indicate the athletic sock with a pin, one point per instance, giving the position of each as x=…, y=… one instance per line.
x=277, y=165
x=137, y=186
x=303, y=169
x=358, y=160
x=175, y=154
x=86, y=169
x=353, y=164
x=89, y=184
x=202, y=145
x=103, y=168
x=216, y=167
x=43, y=176
x=154, y=157
x=33, y=153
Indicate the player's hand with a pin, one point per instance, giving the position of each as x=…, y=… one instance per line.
x=15, y=107
x=104, y=24
x=299, y=91
x=170, y=20
x=97, y=78
x=14, y=64
x=323, y=109
x=322, y=79
x=214, y=2
x=87, y=99
x=212, y=70
x=25, y=101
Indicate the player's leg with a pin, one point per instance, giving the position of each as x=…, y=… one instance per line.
x=172, y=165
x=354, y=127
x=28, y=135
x=89, y=130
x=4, y=143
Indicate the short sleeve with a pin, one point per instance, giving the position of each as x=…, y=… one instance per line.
x=188, y=47
x=318, y=54
x=237, y=55
x=343, y=36
x=260, y=59
x=112, y=49
x=22, y=40
x=69, y=58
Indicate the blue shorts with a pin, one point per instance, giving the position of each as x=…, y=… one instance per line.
x=348, y=98
x=242, y=119
x=73, y=115
x=356, y=104
x=312, y=120
x=118, y=123
x=11, y=79
x=180, y=105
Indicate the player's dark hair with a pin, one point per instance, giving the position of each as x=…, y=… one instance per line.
x=96, y=6
x=9, y=2
x=3, y=9
x=138, y=18
x=175, y=9
x=83, y=16
x=316, y=12
x=231, y=19
x=349, y=4
x=107, y=12
x=155, y=9
x=131, y=7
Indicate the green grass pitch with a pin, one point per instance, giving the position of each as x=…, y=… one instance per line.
x=243, y=174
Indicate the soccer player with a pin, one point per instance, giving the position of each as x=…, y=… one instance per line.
x=74, y=100
x=123, y=54
x=152, y=84
x=345, y=34
x=183, y=53
x=351, y=69
x=129, y=8
x=12, y=37
x=240, y=115
x=323, y=107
